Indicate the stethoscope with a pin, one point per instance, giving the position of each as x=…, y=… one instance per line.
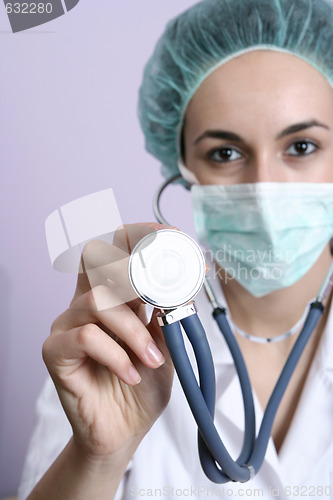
x=167, y=270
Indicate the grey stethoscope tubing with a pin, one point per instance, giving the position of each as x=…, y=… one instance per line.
x=201, y=398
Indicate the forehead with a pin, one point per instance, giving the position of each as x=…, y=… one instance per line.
x=261, y=83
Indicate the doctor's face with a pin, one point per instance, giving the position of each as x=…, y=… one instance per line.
x=262, y=117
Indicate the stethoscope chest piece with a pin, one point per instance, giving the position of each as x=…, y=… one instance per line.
x=167, y=269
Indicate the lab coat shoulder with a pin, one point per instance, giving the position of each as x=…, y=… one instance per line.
x=309, y=442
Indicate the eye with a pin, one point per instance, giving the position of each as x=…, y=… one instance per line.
x=224, y=154
x=302, y=148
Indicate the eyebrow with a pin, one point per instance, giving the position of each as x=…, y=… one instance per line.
x=298, y=127
x=231, y=136
x=220, y=134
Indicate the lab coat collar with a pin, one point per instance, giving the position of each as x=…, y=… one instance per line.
x=308, y=439
x=309, y=436
x=325, y=348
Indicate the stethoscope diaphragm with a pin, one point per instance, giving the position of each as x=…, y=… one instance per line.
x=167, y=269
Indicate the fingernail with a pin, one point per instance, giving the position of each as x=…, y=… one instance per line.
x=133, y=375
x=166, y=226
x=154, y=354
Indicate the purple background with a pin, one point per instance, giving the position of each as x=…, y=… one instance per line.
x=68, y=98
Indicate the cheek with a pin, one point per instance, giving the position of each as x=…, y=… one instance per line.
x=325, y=166
x=197, y=167
x=327, y=172
x=320, y=171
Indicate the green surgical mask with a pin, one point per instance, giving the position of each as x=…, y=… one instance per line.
x=264, y=235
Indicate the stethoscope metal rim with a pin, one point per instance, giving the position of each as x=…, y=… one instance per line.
x=144, y=287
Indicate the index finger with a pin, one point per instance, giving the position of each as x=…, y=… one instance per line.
x=107, y=264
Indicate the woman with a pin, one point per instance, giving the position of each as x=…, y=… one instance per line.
x=240, y=93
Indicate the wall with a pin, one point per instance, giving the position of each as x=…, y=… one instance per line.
x=68, y=127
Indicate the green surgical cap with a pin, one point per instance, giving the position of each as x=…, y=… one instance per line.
x=209, y=34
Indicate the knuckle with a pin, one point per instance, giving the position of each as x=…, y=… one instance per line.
x=54, y=326
x=47, y=349
x=137, y=332
x=96, y=254
x=156, y=226
x=88, y=255
x=61, y=322
x=86, y=333
x=120, y=359
x=88, y=248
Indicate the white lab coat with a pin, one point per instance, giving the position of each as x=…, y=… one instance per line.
x=166, y=464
